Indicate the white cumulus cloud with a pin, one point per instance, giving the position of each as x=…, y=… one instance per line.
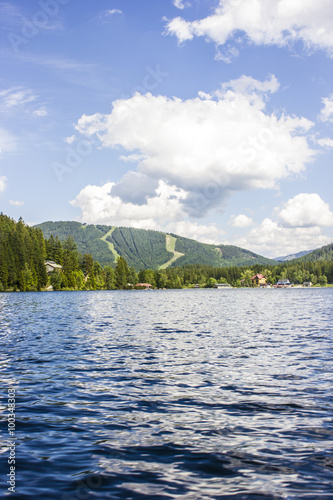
x=206, y=233
x=250, y=86
x=242, y=220
x=271, y=239
x=210, y=145
x=98, y=204
x=326, y=114
x=295, y=226
x=3, y=181
x=162, y=211
x=70, y=139
x=263, y=22
x=325, y=142
x=305, y=210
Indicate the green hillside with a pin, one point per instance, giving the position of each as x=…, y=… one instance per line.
x=215, y=255
x=143, y=249
x=87, y=237
x=147, y=249
x=323, y=253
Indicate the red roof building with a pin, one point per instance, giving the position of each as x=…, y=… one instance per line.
x=146, y=286
x=259, y=280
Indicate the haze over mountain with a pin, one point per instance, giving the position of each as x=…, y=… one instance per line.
x=292, y=256
x=324, y=253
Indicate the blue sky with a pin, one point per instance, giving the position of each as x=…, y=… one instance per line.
x=208, y=119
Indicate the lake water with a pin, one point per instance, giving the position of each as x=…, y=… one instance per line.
x=175, y=394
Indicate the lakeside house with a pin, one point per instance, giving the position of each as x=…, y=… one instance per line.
x=307, y=283
x=51, y=266
x=283, y=283
x=220, y=286
x=143, y=286
x=259, y=280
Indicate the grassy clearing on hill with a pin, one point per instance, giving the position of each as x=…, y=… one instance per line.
x=170, y=246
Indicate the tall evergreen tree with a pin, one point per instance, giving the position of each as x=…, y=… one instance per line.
x=109, y=278
x=121, y=273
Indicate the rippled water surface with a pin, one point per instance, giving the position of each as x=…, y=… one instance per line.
x=186, y=394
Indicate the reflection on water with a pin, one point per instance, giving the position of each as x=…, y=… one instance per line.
x=191, y=394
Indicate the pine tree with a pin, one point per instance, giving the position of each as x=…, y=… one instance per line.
x=87, y=264
x=121, y=273
x=109, y=278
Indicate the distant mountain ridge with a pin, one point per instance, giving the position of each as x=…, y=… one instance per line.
x=323, y=253
x=292, y=256
x=148, y=249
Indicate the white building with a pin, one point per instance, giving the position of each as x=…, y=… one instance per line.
x=51, y=266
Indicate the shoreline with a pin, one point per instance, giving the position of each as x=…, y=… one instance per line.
x=298, y=287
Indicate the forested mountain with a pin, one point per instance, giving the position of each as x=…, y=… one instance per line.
x=146, y=249
x=323, y=253
x=215, y=255
x=24, y=254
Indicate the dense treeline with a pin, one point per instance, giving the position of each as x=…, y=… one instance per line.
x=24, y=251
x=86, y=236
x=318, y=272
x=323, y=253
x=22, y=256
x=89, y=275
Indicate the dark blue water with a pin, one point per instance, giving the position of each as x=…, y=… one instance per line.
x=185, y=394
